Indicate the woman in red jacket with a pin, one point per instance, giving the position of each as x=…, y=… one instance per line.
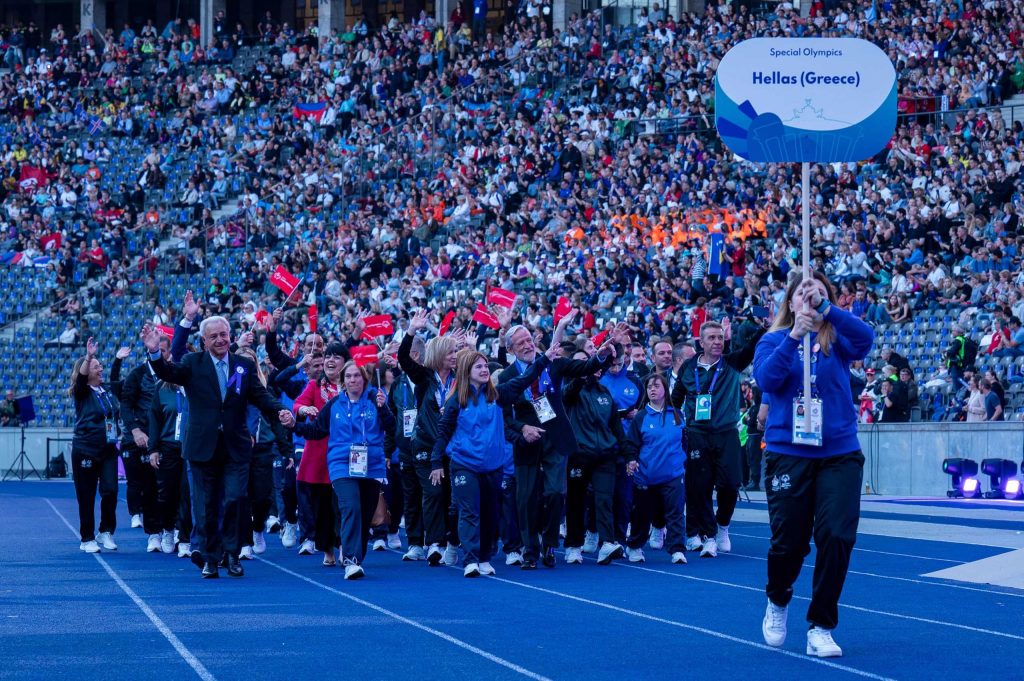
x=312, y=474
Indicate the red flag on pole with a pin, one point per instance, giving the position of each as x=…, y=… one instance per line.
x=363, y=355
x=261, y=317
x=501, y=297
x=313, y=316
x=377, y=325
x=32, y=177
x=562, y=308
x=600, y=338
x=166, y=330
x=284, y=280
x=446, y=323
x=485, y=317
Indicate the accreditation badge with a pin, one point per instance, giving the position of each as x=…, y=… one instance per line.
x=702, y=408
x=177, y=428
x=358, y=461
x=543, y=408
x=408, y=422
x=807, y=422
x=111, y=428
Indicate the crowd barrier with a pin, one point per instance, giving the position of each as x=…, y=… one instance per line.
x=902, y=459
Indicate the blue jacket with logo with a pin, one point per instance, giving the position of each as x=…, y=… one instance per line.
x=474, y=435
x=345, y=423
x=625, y=390
x=655, y=440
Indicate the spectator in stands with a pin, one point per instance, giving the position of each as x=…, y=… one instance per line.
x=893, y=358
x=1012, y=344
x=993, y=405
x=68, y=338
x=895, y=398
x=9, y=411
x=961, y=354
x=975, y=407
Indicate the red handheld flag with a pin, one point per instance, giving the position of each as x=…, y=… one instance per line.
x=363, y=355
x=501, y=297
x=562, y=308
x=313, y=316
x=51, y=241
x=485, y=317
x=377, y=325
x=446, y=323
x=284, y=280
x=166, y=330
x=261, y=317
x=600, y=338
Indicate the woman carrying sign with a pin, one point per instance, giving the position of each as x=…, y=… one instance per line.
x=812, y=474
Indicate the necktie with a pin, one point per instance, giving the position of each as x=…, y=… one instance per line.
x=222, y=378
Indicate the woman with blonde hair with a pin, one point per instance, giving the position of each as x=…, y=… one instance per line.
x=471, y=433
x=433, y=382
x=813, y=473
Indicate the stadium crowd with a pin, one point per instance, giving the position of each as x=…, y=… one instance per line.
x=547, y=207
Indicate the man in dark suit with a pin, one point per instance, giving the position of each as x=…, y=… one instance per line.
x=217, y=442
x=543, y=440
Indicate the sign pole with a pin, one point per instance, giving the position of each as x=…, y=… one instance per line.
x=805, y=169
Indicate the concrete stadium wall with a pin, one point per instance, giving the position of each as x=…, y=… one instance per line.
x=905, y=459
x=902, y=459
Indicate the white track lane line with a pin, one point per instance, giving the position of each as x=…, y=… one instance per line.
x=690, y=627
x=858, y=608
x=412, y=623
x=857, y=548
x=944, y=585
x=197, y=666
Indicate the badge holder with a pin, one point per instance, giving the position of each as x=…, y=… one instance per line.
x=543, y=408
x=408, y=422
x=358, y=456
x=807, y=422
x=111, y=428
x=702, y=408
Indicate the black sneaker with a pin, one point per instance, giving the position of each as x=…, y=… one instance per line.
x=549, y=558
x=528, y=564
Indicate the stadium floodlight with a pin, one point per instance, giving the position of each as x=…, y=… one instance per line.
x=999, y=471
x=961, y=471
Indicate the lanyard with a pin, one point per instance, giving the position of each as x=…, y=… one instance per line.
x=442, y=392
x=543, y=383
x=714, y=378
x=405, y=389
x=177, y=399
x=814, y=368
x=362, y=420
x=105, y=405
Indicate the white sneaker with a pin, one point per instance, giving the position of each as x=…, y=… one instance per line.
x=635, y=555
x=590, y=542
x=773, y=627
x=394, y=541
x=175, y=537
x=434, y=555
x=380, y=545
x=820, y=643
x=106, y=541
x=694, y=543
x=89, y=546
x=259, y=543
x=710, y=549
x=486, y=569
x=288, y=537
x=308, y=548
x=272, y=525
x=184, y=550
x=153, y=545
x=573, y=556
x=722, y=539
x=471, y=570
x=167, y=542
x=451, y=555
x=137, y=520
x=679, y=558
x=657, y=539
x=245, y=553
x=610, y=550
x=353, y=571
x=514, y=558
x=414, y=553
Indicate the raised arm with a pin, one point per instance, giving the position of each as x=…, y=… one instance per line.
x=510, y=391
x=416, y=372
